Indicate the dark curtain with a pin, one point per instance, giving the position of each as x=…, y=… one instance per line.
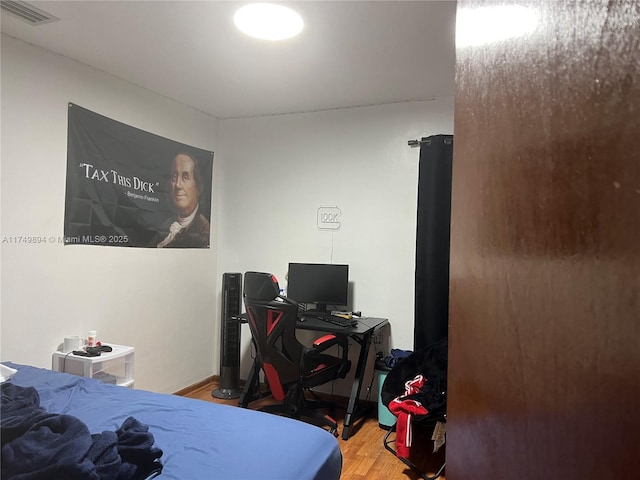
x=432, y=240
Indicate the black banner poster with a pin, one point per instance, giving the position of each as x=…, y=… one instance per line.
x=131, y=188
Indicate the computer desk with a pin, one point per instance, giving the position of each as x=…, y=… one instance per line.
x=362, y=333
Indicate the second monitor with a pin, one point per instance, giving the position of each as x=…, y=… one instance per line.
x=322, y=284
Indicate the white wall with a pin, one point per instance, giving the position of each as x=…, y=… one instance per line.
x=161, y=302
x=278, y=170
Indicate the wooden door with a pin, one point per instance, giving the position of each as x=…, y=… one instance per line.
x=544, y=363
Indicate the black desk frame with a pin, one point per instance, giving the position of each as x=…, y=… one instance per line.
x=362, y=333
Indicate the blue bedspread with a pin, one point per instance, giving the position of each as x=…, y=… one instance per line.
x=198, y=439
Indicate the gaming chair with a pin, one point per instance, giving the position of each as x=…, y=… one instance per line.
x=289, y=366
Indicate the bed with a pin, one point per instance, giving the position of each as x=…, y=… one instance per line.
x=197, y=439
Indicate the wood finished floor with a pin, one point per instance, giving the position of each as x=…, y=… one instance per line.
x=364, y=455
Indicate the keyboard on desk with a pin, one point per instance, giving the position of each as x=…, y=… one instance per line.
x=341, y=321
x=335, y=320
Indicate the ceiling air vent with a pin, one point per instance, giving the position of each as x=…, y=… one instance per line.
x=27, y=13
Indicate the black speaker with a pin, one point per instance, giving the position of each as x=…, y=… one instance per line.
x=230, y=338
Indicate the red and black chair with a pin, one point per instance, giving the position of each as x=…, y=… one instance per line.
x=290, y=367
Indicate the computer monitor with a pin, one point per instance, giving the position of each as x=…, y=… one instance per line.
x=319, y=283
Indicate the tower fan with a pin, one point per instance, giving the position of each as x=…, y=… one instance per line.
x=230, y=338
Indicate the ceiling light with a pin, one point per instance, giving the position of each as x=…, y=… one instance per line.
x=485, y=25
x=268, y=21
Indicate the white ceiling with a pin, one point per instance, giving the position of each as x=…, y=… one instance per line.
x=351, y=53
